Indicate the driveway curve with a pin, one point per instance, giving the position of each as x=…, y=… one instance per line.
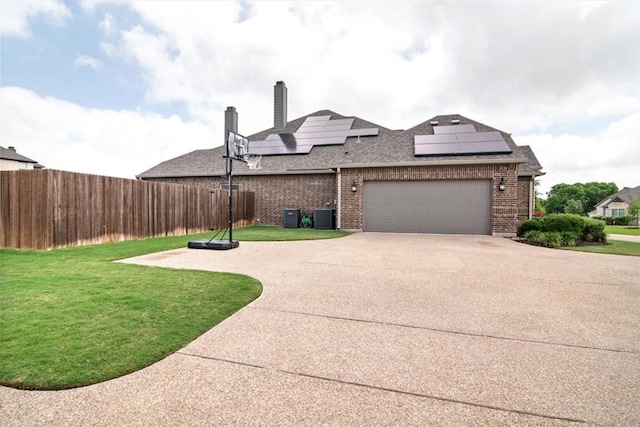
x=388, y=329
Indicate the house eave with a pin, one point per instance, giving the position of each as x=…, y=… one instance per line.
x=287, y=172
x=431, y=163
x=242, y=173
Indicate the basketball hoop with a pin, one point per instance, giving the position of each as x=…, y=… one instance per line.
x=253, y=161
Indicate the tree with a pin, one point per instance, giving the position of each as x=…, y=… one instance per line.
x=561, y=193
x=573, y=207
x=596, y=192
x=589, y=195
x=539, y=201
x=634, y=210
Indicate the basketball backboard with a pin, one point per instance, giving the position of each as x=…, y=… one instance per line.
x=237, y=146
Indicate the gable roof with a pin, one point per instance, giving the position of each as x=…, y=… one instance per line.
x=11, y=154
x=626, y=195
x=388, y=148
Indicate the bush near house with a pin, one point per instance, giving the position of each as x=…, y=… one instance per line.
x=615, y=220
x=558, y=230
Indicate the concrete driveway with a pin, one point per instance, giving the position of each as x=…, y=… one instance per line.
x=388, y=329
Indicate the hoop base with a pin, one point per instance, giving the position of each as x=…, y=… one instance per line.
x=219, y=245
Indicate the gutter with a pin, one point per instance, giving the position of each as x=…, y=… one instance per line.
x=433, y=163
x=256, y=173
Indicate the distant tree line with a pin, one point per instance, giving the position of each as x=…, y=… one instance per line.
x=576, y=198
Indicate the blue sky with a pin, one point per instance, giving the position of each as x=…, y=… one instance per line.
x=115, y=88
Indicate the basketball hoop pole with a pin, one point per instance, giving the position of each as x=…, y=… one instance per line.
x=221, y=244
x=230, y=181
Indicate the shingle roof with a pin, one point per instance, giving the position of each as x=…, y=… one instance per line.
x=390, y=146
x=10, y=154
x=626, y=195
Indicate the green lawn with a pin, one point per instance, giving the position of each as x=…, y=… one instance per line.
x=268, y=233
x=71, y=317
x=614, y=247
x=621, y=229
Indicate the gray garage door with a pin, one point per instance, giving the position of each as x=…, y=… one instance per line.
x=444, y=207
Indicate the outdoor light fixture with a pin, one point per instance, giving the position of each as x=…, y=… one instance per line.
x=501, y=184
x=353, y=186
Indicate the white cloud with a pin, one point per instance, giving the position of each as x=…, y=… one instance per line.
x=107, y=24
x=562, y=78
x=65, y=136
x=86, y=61
x=15, y=15
x=612, y=155
x=394, y=63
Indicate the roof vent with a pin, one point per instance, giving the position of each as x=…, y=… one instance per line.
x=12, y=149
x=455, y=121
x=434, y=123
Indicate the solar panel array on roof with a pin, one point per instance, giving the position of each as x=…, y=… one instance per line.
x=438, y=130
x=316, y=130
x=459, y=140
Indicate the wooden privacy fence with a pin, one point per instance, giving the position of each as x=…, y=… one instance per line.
x=44, y=209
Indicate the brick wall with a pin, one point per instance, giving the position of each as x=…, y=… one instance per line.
x=274, y=193
x=524, y=197
x=504, y=206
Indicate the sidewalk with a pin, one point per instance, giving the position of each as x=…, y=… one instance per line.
x=623, y=237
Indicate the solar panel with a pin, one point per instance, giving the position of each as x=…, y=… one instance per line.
x=272, y=151
x=316, y=130
x=439, y=130
x=437, y=149
x=484, y=147
x=337, y=140
x=479, y=136
x=435, y=139
x=363, y=132
x=460, y=144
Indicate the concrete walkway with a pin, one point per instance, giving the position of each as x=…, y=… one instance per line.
x=623, y=237
x=387, y=329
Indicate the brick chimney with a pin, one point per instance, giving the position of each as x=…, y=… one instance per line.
x=279, y=105
x=230, y=121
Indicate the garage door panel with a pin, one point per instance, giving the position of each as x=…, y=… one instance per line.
x=444, y=207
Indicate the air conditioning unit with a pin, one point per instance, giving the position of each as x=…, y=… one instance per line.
x=291, y=218
x=324, y=218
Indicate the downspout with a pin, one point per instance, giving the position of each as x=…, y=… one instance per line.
x=532, y=196
x=338, y=207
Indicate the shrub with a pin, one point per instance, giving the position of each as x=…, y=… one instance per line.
x=533, y=224
x=614, y=220
x=552, y=239
x=593, y=231
x=558, y=230
x=563, y=222
x=569, y=238
x=535, y=237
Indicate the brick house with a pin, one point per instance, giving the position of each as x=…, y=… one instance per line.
x=449, y=174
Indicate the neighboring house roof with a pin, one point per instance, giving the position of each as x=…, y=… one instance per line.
x=389, y=147
x=11, y=154
x=625, y=195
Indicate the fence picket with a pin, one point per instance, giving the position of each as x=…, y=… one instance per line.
x=45, y=209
